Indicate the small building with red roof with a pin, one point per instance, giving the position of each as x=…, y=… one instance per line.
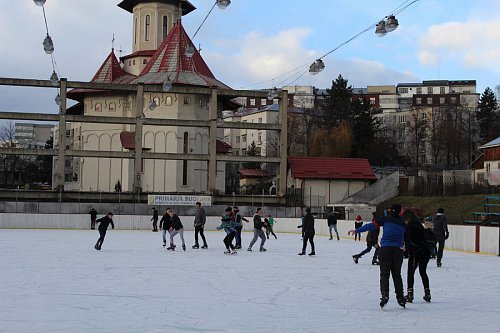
x=325, y=180
x=159, y=44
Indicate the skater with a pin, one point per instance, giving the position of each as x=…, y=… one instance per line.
x=199, y=225
x=268, y=224
x=419, y=256
x=332, y=224
x=391, y=252
x=308, y=232
x=228, y=225
x=176, y=228
x=238, y=226
x=155, y=219
x=93, y=216
x=257, y=231
x=103, y=227
x=371, y=241
x=165, y=224
x=358, y=223
x=440, y=228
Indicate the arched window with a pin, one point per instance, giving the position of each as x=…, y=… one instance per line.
x=147, y=29
x=184, y=163
x=135, y=30
x=165, y=27
x=144, y=61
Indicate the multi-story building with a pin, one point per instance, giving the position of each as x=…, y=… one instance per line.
x=30, y=135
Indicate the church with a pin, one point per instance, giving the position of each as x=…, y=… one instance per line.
x=163, y=55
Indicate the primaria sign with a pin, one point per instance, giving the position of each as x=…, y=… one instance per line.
x=179, y=200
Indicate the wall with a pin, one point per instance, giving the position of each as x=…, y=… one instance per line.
x=462, y=238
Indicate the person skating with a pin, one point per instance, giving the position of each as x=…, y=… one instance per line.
x=177, y=228
x=418, y=256
x=93, y=216
x=238, y=226
x=200, y=219
x=308, y=232
x=104, y=222
x=257, y=231
x=358, y=223
x=440, y=228
x=332, y=224
x=394, y=237
x=166, y=225
x=228, y=225
x=155, y=219
x=268, y=224
x=371, y=241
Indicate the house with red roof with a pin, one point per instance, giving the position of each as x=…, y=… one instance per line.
x=320, y=181
x=159, y=44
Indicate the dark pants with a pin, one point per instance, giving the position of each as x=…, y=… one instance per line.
x=199, y=229
x=418, y=259
x=440, y=249
x=228, y=240
x=308, y=236
x=92, y=223
x=368, y=249
x=269, y=230
x=238, y=235
x=102, y=234
x=155, y=225
x=391, y=260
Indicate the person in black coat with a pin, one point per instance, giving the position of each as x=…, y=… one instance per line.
x=440, y=228
x=165, y=224
x=155, y=219
x=419, y=256
x=93, y=216
x=103, y=227
x=308, y=232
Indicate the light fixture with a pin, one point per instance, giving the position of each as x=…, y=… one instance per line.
x=316, y=67
x=58, y=99
x=48, y=46
x=391, y=23
x=220, y=121
x=167, y=85
x=54, y=79
x=152, y=105
x=223, y=4
x=189, y=51
x=380, y=30
x=273, y=93
x=39, y=2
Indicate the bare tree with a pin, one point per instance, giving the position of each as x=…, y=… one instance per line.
x=417, y=132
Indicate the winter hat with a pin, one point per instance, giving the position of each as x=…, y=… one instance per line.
x=396, y=209
x=228, y=209
x=358, y=218
x=440, y=210
x=308, y=209
x=236, y=209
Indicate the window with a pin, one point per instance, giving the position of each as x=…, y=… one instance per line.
x=147, y=29
x=168, y=100
x=252, y=101
x=442, y=100
x=130, y=62
x=165, y=26
x=244, y=151
x=244, y=138
x=419, y=90
x=112, y=107
x=453, y=100
x=133, y=62
x=144, y=61
x=237, y=139
x=259, y=120
x=403, y=90
x=157, y=101
x=135, y=31
x=185, y=163
x=418, y=100
x=263, y=101
x=275, y=101
x=401, y=146
x=441, y=90
x=488, y=167
x=98, y=107
x=259, y=138
x=429, y=90
x=226, y=138
x=187, y=100
x=429, y=100
x=402, y=119
x=372, y=100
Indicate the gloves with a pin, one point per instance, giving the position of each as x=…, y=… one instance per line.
x=446, y=235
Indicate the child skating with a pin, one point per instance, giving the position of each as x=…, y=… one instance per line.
x=229, y=227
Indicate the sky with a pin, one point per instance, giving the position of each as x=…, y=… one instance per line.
x=59, y=283
x=250, y=44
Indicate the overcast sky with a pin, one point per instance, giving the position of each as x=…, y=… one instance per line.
x=258, y=40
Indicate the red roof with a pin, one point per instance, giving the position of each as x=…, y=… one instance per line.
x=110, y=70
x=253, y=173
x=170, y=61
x=223, y=147
x=331, y=168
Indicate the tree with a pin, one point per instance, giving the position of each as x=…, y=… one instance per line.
x=252, y=150
x=417, y=132
x=486, y=115
x=363, y=125
x=331, y=143
x=337, y=103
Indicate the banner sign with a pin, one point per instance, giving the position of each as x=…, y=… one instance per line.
x=494, y=177
x=179, y=200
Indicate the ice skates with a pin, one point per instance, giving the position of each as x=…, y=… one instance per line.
x=205, y=246
x=427, y=296
x=312, y=253
x=302, y=253
x=384, y=299
x=401, y=300
x=409, y=295
x=355, y=258
x=262, y=249
x=195, y=246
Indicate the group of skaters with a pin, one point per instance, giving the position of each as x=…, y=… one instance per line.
x=403, y=232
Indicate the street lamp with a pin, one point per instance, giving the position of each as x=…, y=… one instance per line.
x=39, y=2
x=316, y=67
x=222, y=4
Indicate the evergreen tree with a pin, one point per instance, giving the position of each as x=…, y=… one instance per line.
x=486, y=114
x=337, y=103
x=252, y=150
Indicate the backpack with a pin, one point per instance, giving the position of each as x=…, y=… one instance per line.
x=430, y=239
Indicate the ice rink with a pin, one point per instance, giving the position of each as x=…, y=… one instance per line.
x=54, y=281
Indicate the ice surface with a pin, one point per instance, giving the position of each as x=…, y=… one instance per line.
x=54, y=281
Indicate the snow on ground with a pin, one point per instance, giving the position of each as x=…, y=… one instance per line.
x=54, y=281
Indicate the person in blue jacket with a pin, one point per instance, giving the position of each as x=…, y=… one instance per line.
x=229, y=227
x=394, y=238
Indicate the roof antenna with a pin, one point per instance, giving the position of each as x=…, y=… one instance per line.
x=113, y=42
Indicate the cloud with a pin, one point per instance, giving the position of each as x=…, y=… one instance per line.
x=473, y=44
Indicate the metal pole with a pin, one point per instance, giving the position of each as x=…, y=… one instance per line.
x=212, y=146
x=138, y=138
x=283, y=118
x=62, y=137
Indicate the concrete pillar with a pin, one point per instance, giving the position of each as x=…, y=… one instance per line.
x=61, y=157
x=283, y=118
x=139, y=108
x=212, y=146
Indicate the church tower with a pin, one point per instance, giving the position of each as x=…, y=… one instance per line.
x=151, y=23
